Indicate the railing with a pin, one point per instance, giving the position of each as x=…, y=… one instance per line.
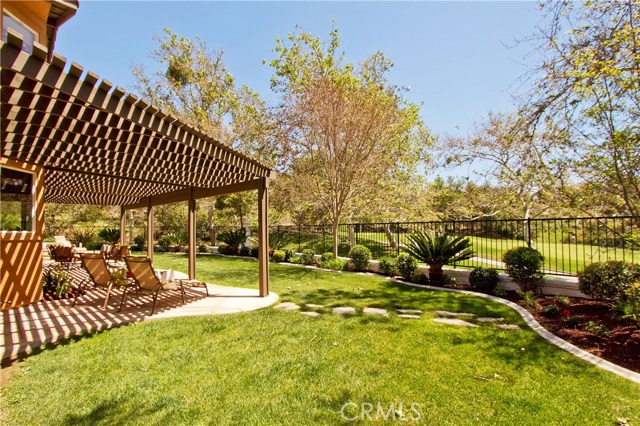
x=568, y=244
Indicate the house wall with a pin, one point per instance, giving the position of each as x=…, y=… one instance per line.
x=21, y=252
x=32, y=13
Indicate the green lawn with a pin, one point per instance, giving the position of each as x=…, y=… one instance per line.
x=272, y=367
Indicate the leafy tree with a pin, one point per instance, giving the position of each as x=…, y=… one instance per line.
x=344, y=127
x=588, y=83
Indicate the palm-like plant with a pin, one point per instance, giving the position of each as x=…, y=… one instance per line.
x=437, y=249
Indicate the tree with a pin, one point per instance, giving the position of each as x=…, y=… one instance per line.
x=588, y=83
x=344, y=127
x=526, y=165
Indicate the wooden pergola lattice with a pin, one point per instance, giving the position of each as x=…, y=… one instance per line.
x=100, y=145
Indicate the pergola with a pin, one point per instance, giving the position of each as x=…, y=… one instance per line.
x=100, y=145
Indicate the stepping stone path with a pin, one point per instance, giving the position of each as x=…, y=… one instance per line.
x=408, y=316
x=310, y=314
x=454, y=321
x=454, y=314
x=314, y=306
x=489, y=319
x=375, y=311
x=509, y=327
x=344, y=310
x=410, y=311
x=287, y=306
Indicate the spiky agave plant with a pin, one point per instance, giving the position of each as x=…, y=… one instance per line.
x=437, y=249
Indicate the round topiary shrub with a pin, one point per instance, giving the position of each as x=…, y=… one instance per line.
x=608, y=280
x=326, y=257
x=278, y=256
x=406, y=265
x=360, y=256
x=387, y=265
x=244, y=251
x=484, y=279
x=524, y=265
x=308, y=257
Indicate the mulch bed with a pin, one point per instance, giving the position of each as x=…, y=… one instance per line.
x=610, y=336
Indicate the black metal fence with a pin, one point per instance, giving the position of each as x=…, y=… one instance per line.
x=568, y=244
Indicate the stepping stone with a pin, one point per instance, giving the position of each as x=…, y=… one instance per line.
x=408, y=316
x=375, y=311
x=287, y=306
x=409, y=311
x=509, y=327
x=454, y=321
x=454, y=314
x=314, y=306
x=344, y=310
x=310, y=314
x=488, y=319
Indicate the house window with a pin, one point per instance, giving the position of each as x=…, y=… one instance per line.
x=16, y=200
x=28, y=35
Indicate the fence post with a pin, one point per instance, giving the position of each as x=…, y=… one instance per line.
x=299, y=238
x=529, y=232
x=398, y=238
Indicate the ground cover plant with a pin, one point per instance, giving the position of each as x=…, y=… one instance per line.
x=272, y=367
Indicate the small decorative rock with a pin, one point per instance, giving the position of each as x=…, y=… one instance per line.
x=453, y=321
x=310, y=314
x=409, y=311
x=375, y=311
x=489, y=319
x=314, y=306
x=344, y=310
x=509, y=327
x=287, y=306
x=407, y=316
x=454, y=314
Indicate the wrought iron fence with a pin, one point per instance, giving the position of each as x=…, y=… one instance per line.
x=568, y=244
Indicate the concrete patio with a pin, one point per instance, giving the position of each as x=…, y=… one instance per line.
x=29, y=327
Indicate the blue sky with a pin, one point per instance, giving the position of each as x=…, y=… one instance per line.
x=457, y=57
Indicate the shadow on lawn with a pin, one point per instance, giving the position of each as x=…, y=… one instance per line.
x=112, y=413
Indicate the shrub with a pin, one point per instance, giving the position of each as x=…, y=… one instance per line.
x=326, y=257
x=500, y=291
x=203, y=248
x=288, y=254
x=56, y=282
x=295, y=259
x=139, y=241
x=244, y=251
x=233, y=239
x=420, y=278
x=552, y=309
x=308, y=257
x=562, y=300
x=224, y=249
x=177, y=240
x=484, y=279
x=360, y=256
x=437, y=249
x=278, y=256
x=109, y=235
x=608, y=280
x=255, y=252
x=83, y=236
x=524, y=265
x=278, y=239
x=629, y=307
x=334, y=264
x=387, y=265
x=406, y=265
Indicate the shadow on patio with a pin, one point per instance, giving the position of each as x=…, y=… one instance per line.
x=29, y=327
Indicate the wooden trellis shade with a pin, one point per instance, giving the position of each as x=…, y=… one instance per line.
x=100, y=145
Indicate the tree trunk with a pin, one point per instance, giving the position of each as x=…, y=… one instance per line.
x=390, y=237
x=334, y=230
x=213, y=234
x=352, y=237
x=435, y=274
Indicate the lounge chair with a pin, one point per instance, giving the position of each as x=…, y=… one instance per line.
x=99, y=275
x=147, y=280
x=64, y=255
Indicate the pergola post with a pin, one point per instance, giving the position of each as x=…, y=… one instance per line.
x=123, y=225
x=263, y=237
x=192, y=236
x=150, y=230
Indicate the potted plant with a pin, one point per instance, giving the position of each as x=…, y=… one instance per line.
x=437, y=249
